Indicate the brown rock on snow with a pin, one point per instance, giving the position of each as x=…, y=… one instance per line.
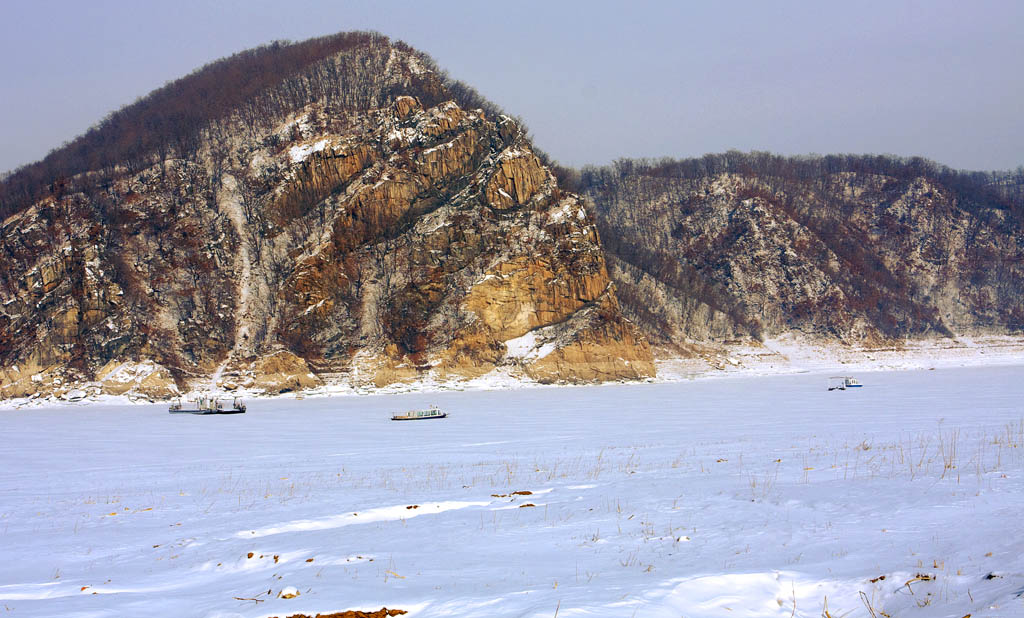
x=380, y=613
x=282, y=371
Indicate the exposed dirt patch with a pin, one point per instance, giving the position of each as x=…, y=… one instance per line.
x=381, y=613
x=522, y=492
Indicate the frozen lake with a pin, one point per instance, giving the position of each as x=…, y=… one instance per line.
x=760, y=496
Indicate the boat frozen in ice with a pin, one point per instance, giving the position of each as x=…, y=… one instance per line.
x=841, y=383
x=208, y=405
x=420, y=415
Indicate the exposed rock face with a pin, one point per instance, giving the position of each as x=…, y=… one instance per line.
x=844, y=256
x=453, y=240
x=370, y=243
x=273, y=373
x=145, y=379
x=602, y=347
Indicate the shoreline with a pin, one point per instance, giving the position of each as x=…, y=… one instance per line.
x=789, y=354
x=786, y=355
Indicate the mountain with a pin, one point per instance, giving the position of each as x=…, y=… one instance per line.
x=340, y=210
x=331, y=210
x=845, y=249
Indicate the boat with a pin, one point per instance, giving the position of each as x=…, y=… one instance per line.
x=420, y=415
x=841, y=383
x=208, y=405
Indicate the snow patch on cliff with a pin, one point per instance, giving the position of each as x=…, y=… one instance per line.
x=128, y=372
x=301, y=152
x=566, y=210
x=529, y=347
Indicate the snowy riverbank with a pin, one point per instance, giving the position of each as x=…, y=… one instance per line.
x=790, y=354
x=780, y=356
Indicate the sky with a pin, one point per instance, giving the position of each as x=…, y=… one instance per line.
x=594, y=81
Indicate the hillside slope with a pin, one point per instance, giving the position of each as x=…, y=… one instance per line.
x=845, y=249
x=352, y=222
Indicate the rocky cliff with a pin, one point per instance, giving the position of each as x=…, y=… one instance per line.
x=372, y=230
x=855, y=250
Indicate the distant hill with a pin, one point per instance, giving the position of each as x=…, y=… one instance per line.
x=845, y=247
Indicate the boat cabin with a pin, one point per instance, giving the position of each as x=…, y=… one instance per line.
x=841, y=383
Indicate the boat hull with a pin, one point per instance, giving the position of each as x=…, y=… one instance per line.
x=418, y=418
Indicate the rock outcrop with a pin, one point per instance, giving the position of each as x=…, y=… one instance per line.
x=399, y=237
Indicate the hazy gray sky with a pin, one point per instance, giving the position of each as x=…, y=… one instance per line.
x=593, y=80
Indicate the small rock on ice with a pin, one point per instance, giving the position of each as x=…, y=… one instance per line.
x=288, y=592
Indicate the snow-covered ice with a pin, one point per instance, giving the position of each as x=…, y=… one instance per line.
x=752, y=496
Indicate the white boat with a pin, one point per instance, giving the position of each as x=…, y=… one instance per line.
x=208, y=405
x=420, y=415
x=841, y=383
